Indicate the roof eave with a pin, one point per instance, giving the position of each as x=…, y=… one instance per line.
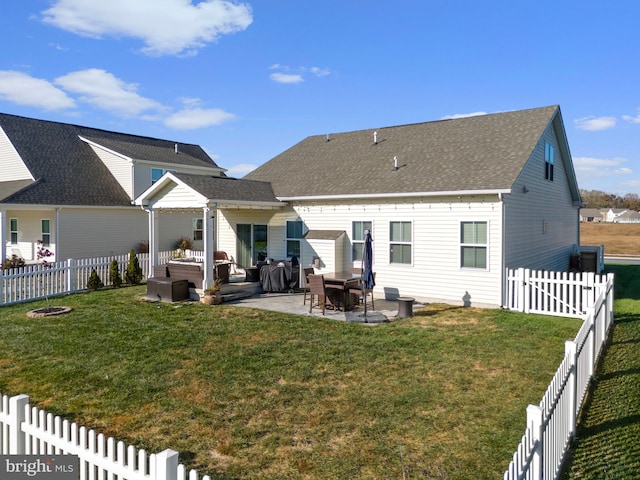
x=450, y=193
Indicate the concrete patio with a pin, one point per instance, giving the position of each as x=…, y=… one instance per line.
x=249, y=294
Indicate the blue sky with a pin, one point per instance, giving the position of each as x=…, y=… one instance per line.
x=247, y=80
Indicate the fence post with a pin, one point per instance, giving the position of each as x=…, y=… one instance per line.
x=68, y=273
x=166, y=465
x=534, y=422
x=17, y=406
x=571, y=351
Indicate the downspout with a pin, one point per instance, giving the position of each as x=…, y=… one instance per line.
x=503, y=275
x=57, y=233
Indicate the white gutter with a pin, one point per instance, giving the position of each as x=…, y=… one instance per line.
x=399, y=195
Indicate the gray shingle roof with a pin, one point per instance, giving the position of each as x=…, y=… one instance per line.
x=66, y=169
x=484, y=152
x=229, y=189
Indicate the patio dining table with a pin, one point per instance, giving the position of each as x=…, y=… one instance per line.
x=341, y=282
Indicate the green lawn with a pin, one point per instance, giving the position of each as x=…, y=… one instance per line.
x=608, y=437
x=244, y=393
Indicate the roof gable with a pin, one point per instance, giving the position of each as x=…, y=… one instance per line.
x=205, y=190
x=474, y=154
x=67, y=170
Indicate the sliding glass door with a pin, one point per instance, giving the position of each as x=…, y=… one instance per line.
x=252, y=244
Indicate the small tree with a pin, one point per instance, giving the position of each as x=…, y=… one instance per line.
x=133, y=274
x=13, y=262
x=95, y=282
x=114, y=274
x=42, y=255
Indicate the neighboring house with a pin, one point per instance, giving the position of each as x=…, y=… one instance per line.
x=590, y=215
x=611, y=214
x=628, y=216
x=74, y=188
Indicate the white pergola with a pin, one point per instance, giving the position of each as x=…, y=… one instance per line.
x=198, y=193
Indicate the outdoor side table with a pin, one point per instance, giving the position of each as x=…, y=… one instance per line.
x=405, y=307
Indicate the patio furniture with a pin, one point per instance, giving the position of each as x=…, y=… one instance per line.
x=306, y=272
x=252, y=274
x=167, y=289
x=405, y=307
x=280, y=276
x=362, y=293
x=318, y=290
x=340, y=283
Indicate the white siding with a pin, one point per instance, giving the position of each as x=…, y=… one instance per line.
x=541, y=225
x=120, y=168
x=11, y=165
x=177, y=196
x=87, y=232
x=29, y=232
x=434, y=275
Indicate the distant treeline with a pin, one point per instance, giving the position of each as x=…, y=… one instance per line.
x=598, y=199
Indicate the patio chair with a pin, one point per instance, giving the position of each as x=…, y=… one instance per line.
x=306, y=272
x=318, y=289
x=362, y=294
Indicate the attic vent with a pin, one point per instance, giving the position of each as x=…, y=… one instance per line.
x=176, y=148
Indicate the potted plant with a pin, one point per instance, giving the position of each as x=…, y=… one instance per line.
x=211, y=294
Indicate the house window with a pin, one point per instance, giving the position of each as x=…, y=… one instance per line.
x=400, y=242
x=473, y=244
x=156, y=173
x=197, y=229
x=357, y=239
x=548, y=161
x=46, y=232
x=14, y=231
x=294, y=234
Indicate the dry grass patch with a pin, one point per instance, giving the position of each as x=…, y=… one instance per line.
x=617, y=238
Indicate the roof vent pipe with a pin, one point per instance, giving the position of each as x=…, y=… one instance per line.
x=327, y=137
x=176, y=148
x=375, y=138
x=395, y=163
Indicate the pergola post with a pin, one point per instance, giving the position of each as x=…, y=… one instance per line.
x=209, y=220
x=153, y=240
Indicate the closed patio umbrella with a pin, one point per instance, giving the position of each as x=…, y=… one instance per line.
x=368, y=280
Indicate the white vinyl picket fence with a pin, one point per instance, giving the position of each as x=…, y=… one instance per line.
x=552, y=423
x=26, y=430
x=34, y=282
x=564, y=294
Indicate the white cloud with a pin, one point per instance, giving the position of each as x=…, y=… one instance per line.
x=167, y=27
x=595, y=124
x=286, y=77
x=107, y=92
x=589, y=167
x=463, y=115
x=192, y=118
x=320, y=72
x=241, y=169
x=285, y=74
x=20, y=88
x=631, y=119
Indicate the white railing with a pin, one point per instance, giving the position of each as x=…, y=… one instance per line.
x=26, y=430
x=563, y=294
x=552, y=424
x=34, y=282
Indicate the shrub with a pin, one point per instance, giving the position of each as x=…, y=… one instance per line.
x=114, y=274
x=133, y=274
x=143, y=246
x=94, y=283
x=184, y=243
x=13, y=262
